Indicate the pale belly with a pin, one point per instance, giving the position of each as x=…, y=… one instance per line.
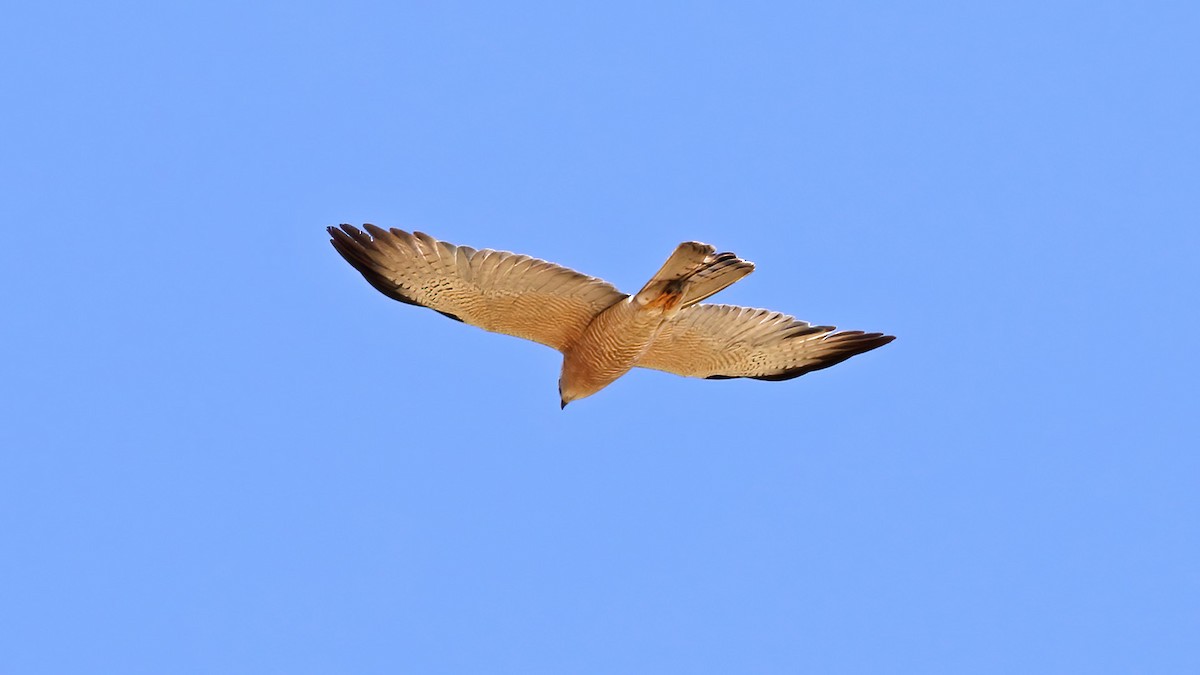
x=611, y=345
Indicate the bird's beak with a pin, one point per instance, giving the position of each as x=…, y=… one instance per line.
x=562, y=404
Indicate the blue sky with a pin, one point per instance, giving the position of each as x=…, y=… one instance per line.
x=223, y=452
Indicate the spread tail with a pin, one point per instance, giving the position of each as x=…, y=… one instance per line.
x=692, y=273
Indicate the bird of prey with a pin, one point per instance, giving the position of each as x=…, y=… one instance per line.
x=602, y=332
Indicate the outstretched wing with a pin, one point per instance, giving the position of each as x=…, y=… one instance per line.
x=496, y=290
x=724, y=341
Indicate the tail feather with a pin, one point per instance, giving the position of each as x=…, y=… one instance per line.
x=692, y=273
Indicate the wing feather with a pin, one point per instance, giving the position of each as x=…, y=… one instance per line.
x=496, y=290
x=726, y=341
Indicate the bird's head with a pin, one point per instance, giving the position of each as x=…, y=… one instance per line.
x=570, y=390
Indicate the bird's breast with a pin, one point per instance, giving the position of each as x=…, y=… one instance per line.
x=612, y=343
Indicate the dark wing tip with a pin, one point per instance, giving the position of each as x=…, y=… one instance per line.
x=846, y=344
x=840, y=346
x=355, y=245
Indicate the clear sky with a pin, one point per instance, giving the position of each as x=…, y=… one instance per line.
x=223, y=452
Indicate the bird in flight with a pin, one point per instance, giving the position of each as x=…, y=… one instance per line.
x=602, y=332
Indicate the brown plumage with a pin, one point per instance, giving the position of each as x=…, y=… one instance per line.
x=602, y=332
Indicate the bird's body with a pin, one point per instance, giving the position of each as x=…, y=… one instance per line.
x=609, y=347
x=601, y=332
